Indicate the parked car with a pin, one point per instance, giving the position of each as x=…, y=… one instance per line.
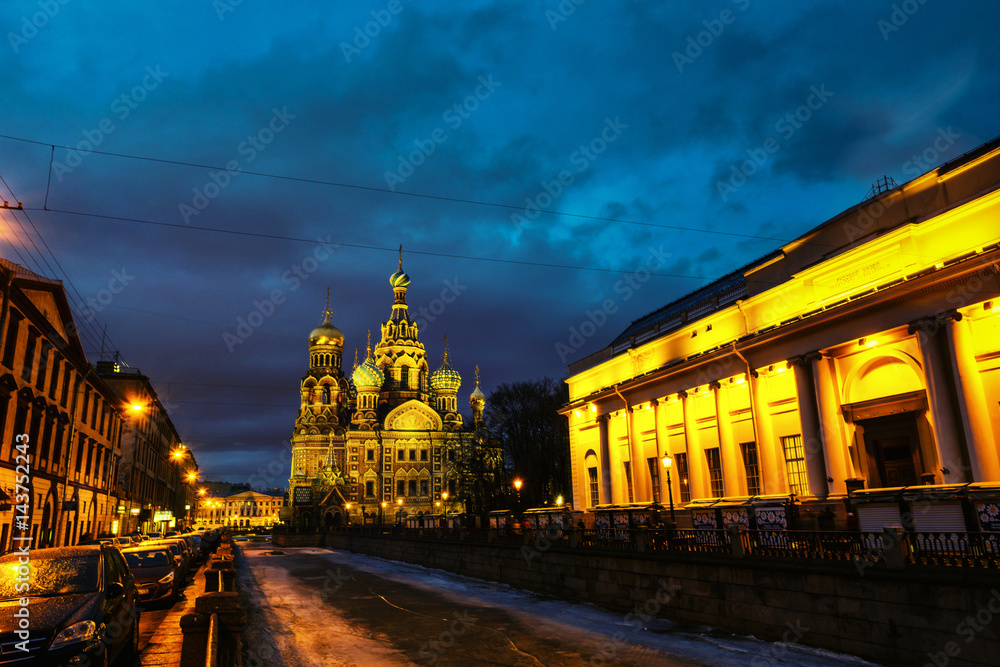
x=157, y=574
x=194, y=544
x=124, y=542
x=179, y=549
x=82, y=606
x=154, y=535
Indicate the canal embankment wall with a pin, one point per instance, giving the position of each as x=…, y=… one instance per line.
x=915, y=616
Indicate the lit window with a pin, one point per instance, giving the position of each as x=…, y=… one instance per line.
x=715, y=472
x=795, y=465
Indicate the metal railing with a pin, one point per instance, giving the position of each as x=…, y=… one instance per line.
x=909, y=548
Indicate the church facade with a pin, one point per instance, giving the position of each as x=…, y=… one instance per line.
x=381, y=444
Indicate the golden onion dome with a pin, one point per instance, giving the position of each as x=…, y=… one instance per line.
x=477, y=397
x=326, y=334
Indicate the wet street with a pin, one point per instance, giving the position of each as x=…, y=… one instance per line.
x=314, y=606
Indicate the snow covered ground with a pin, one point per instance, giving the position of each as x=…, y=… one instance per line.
x=310, y=626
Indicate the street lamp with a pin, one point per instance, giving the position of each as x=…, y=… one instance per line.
x=517, y=487
x=347, y=507
x=668, y=461
x=381, y=512
x=444, y=500
x=399, y=511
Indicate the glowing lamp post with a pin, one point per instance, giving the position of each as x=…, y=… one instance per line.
x=668, y=461
x=517, y=487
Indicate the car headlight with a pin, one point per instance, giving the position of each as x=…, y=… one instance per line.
x=167, y=579
x=78, y=632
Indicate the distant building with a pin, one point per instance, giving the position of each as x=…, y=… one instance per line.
x=380, y=445
x=861, y=359
x=60, y=445
x=242, y=509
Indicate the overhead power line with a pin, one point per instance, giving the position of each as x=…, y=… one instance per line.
x=401, y=193
x=359, y=246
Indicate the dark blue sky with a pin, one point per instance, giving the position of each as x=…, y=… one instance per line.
x=684, y=139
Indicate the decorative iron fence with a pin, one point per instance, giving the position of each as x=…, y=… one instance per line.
x=978, y=550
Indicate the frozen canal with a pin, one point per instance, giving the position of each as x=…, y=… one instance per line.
x=317, y=606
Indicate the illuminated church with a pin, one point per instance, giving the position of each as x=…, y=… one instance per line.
x=849, y=378
x=381, y=444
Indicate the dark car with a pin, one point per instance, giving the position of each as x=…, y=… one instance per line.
x=157, y=575
x=178, y=548
x=68, y=606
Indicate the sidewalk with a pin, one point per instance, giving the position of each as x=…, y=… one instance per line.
x=164, y=647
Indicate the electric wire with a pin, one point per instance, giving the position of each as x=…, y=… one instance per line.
x=279, y=237
x=88, y=332
x=403, y=193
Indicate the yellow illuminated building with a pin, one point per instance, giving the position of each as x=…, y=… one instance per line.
x=861, y=358
x=380, y=445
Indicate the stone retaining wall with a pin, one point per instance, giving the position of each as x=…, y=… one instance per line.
x=941, y=616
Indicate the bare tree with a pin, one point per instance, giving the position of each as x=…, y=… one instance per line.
x=523, y=418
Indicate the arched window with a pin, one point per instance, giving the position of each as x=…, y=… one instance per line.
x=326, y=395
x=404, y=377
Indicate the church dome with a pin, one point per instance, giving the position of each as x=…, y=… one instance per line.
x=368, y=376
x=399, y=280
x=326, y=334
x=445, y=379
x=477, y=397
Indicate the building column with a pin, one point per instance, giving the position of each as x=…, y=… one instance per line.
x=730, y=468
x=973, y=411
x=948, y=447
x=812, y=434
x=838, y=459
x=602, y=422
x=772, y=475
x=697, y=475
x=635, y=457
x=661, y=472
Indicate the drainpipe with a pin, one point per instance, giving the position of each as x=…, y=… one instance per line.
x=750, y=374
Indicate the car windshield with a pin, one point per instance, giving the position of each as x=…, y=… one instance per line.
x=48, y=575
x=140, y=559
